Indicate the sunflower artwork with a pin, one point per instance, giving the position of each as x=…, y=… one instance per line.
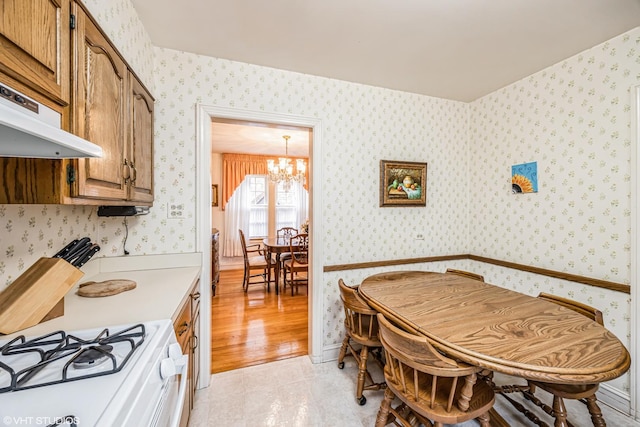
x=524, y=178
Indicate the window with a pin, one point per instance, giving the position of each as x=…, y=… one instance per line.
x=286, y=207
x=259, y=206
x=257, y=211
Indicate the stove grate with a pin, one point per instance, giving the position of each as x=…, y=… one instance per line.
x=67, y=348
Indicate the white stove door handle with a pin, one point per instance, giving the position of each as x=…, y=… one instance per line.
x=171, y=365
x=167, y=368
x=183, y=366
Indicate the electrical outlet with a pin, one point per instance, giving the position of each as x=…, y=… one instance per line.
x=175, y=210
x=419, y=237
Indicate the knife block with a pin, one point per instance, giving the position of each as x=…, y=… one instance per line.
x=37, y=295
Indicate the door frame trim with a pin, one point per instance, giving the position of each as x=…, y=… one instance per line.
x=204, y=114
x=634, y=350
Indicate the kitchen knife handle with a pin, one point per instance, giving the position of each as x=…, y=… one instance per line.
x=66, y=249
x=73, y=252
x=82, y=260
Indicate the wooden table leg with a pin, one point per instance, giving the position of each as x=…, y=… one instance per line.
x=277, y=273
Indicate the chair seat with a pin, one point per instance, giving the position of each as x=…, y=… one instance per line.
x=481, y=401
x=257, y=262
x=289, y=264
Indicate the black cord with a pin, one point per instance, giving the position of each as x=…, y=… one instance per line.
x=126, y=235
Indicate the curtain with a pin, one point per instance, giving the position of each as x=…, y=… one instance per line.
x=236, y=217
x=302, y=197
x=236, y=166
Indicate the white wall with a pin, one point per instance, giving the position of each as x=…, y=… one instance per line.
x=574, y=119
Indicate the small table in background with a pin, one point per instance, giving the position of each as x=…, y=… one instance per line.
x=277, y=246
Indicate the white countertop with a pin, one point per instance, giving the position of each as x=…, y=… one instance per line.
x=163, y=283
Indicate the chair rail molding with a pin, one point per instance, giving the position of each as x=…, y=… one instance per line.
x=604, y=284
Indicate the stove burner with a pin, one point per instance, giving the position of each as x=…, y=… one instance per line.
x=46, y=360
x=92, y=356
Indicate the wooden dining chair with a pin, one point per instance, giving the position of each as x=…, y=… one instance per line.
x=361, y=339
x=296, y=268
x=467, y=274
x=256, y=264
x=285, y=234
x=585, y=393
x=434, y=389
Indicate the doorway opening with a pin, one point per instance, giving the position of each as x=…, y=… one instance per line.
x=254, y=327
x=204, y=115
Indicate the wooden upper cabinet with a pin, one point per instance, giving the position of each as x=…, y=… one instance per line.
x=34, y=45
x=105, y=103
x=140, y=151
x=99, y=111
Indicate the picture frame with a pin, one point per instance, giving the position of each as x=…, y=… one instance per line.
x=403, y=183
x=524, y=178
x=214, y=195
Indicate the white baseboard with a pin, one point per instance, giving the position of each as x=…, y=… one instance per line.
x=616, y=399
x=331, y=353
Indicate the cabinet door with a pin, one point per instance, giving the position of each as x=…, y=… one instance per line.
x=100, y=93
x=140, y=157
x=34, y=45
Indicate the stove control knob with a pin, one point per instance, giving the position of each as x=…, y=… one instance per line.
x=167, y=368
x=175, y=351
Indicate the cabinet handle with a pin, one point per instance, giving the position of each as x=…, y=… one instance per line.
x=195, y=296
x=195, y=342
x=135, y=173
x=126, y=171
x=183, y=328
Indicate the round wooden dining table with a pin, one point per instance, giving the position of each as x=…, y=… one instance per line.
x=497, y=328
x=277, y=246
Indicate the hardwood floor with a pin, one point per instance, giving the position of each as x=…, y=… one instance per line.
x=256, y=327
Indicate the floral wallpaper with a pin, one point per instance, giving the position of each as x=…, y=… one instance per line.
x=120, y=22
x=572, y=118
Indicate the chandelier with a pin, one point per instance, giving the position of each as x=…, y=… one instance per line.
x=283, y=172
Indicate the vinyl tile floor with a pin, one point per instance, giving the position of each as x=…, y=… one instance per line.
x=296, y=393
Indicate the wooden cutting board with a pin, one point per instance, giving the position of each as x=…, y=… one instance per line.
x=106, y=288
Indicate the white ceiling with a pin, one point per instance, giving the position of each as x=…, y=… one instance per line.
x=454, y=49
x=258, y=138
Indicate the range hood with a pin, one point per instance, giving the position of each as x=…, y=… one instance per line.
x=29, y=129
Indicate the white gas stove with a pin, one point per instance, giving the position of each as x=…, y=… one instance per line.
x=126, y=375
